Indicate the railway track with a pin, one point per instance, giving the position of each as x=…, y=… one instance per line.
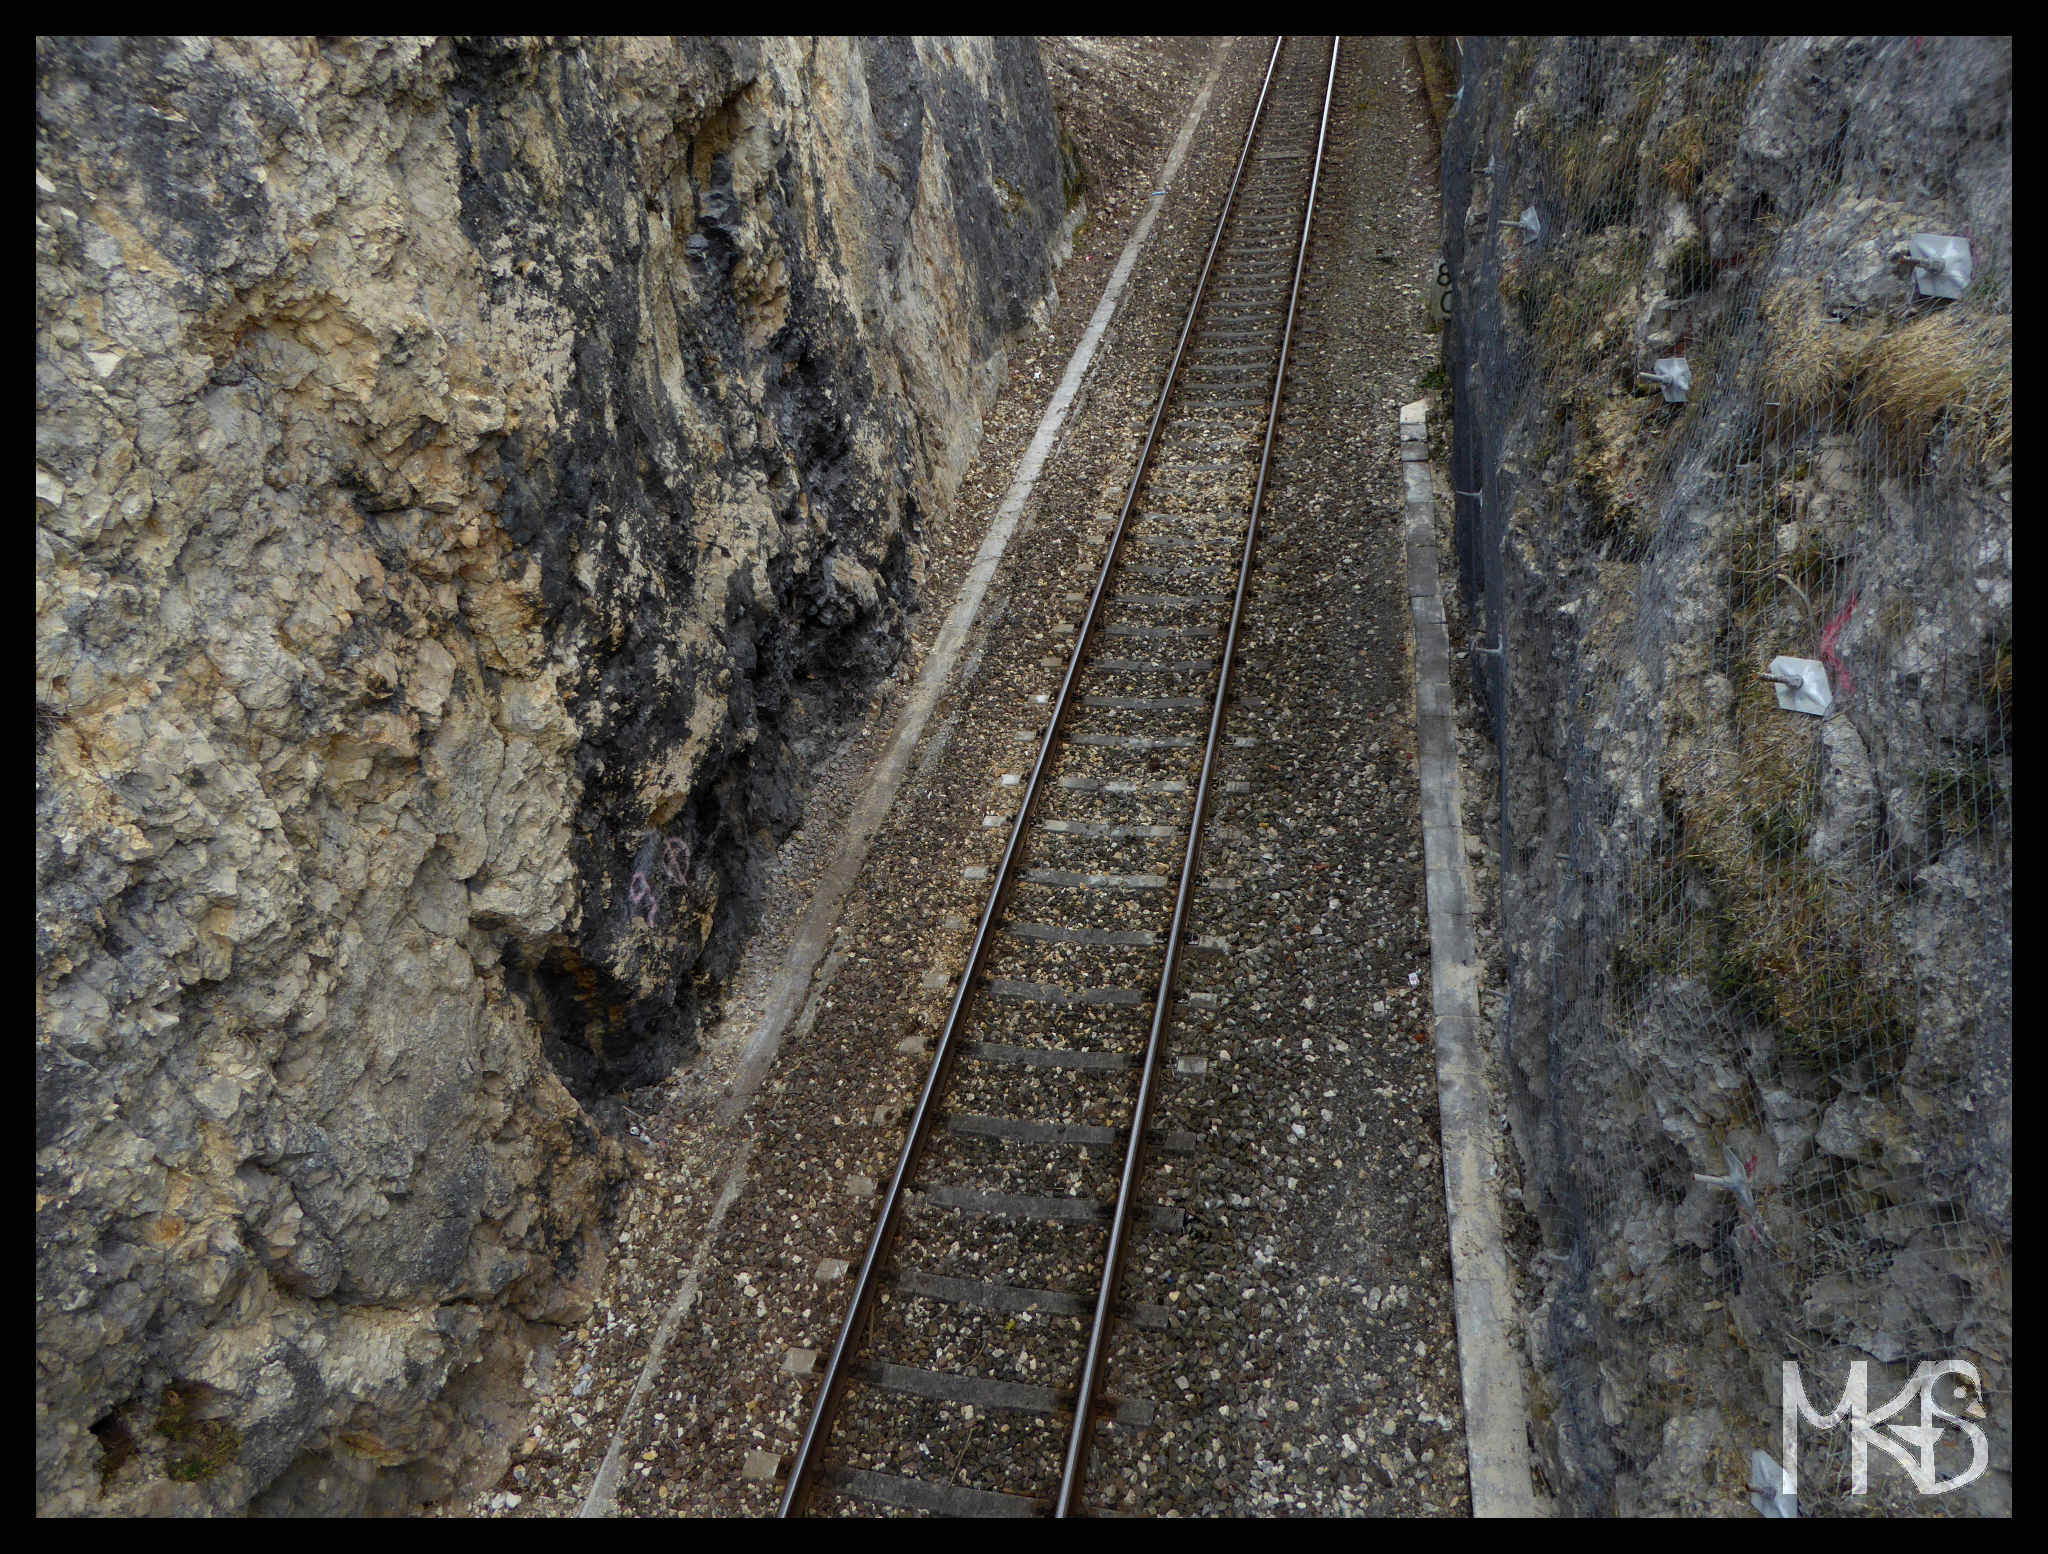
x=994, y=1272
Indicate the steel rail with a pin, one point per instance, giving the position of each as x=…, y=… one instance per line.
x=1091, y=1371
x=832, y=1390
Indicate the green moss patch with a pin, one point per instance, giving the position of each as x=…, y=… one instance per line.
x=198, y=1448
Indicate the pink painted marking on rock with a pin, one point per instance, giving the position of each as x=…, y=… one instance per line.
x=1843, y=683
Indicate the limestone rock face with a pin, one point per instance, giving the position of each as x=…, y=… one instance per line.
x=1736, y=938
x=473, y=479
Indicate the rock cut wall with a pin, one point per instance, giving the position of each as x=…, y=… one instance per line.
x=1742, y=943
x=475, y=478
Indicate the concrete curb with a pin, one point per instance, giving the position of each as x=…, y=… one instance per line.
x=1496, y=1428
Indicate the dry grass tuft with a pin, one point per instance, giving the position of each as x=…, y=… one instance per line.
x=1803, y=942
x=1946, y=369
x=1781, y=939
x=1682, y=155
x=1615, y=462
x=1998, y=683
x=1812, y=360
x=1945, y=375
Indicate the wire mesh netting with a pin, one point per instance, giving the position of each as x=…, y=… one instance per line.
x=1754, y=710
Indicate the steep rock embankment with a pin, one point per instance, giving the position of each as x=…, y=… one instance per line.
x=473, y=480
x=1741, y=941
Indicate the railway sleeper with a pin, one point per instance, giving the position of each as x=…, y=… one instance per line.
x=981, y=1392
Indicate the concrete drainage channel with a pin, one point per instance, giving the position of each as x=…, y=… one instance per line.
x=1495, y=1411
